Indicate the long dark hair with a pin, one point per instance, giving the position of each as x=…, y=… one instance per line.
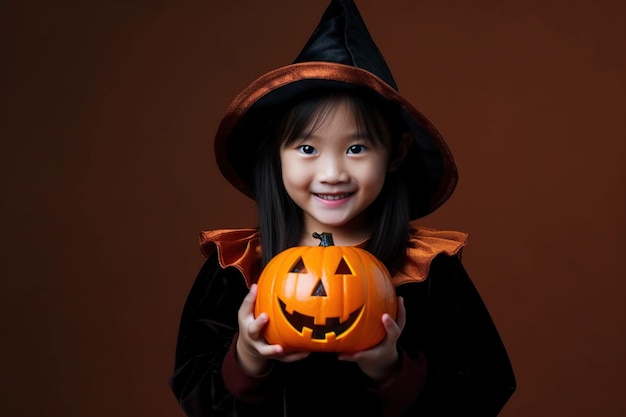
x=280, y=220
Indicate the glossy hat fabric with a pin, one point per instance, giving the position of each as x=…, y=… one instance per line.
x=340, y=54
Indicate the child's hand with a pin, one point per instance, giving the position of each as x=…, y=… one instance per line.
x=379, y=362
x=253, y=352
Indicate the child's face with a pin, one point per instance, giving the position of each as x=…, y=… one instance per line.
x=334, y=172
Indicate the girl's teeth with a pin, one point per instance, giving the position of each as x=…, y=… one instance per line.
x=332, y=197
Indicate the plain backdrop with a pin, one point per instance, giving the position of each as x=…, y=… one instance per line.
x=108, y=110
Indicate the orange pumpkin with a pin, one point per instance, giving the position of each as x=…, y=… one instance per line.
x=325, y=298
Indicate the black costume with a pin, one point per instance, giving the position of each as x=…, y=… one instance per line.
x=469, y=373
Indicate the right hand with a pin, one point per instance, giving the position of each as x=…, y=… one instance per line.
x=253, y=352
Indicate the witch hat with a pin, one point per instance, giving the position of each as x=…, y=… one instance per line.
x=340, y=54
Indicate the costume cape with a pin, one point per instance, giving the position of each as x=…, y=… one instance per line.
x=468, y=369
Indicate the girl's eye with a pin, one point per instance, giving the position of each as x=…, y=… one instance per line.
x=356, y=149
x=307, y=149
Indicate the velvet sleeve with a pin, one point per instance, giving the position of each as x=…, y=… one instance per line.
x=254, y=390
x=406, y=387
x=207, y=326
x=469, y=372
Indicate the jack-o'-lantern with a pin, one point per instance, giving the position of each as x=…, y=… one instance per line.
x=325, y=298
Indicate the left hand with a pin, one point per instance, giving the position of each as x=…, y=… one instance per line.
x=379, y=362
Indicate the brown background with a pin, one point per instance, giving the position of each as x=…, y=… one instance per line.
x=107, y=114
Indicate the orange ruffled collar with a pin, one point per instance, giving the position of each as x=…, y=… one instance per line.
x=241, y=249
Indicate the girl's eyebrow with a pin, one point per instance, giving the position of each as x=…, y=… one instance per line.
x=309, y=135
x=301, y=137
x=364, y=135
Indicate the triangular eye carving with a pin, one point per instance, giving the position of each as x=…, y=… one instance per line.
x=319, y=290
x=298, y=267
x=343, y=268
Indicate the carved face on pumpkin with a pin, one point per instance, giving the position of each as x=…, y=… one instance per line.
x=325, y=298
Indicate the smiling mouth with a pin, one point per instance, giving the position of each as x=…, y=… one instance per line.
x=333, y=197
x=333, y=325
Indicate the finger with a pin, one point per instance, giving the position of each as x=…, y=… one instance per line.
x=256, y=326
x=392, y=328
x=295, y=356
x=247, y=305
x=349, y=356
x=270, y=351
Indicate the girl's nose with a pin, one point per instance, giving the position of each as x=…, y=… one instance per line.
x=332, y=170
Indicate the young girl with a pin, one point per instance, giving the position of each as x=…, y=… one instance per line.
x=327, y=144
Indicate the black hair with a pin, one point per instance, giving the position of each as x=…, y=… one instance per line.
x=280, y=220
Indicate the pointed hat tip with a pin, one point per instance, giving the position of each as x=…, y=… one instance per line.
x=342, y=37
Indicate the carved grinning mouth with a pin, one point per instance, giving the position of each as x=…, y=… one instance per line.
x=299, y=321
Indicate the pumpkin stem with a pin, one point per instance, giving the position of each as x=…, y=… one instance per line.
x=326, y=239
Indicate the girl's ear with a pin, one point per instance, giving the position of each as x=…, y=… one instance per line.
x=400, y=152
